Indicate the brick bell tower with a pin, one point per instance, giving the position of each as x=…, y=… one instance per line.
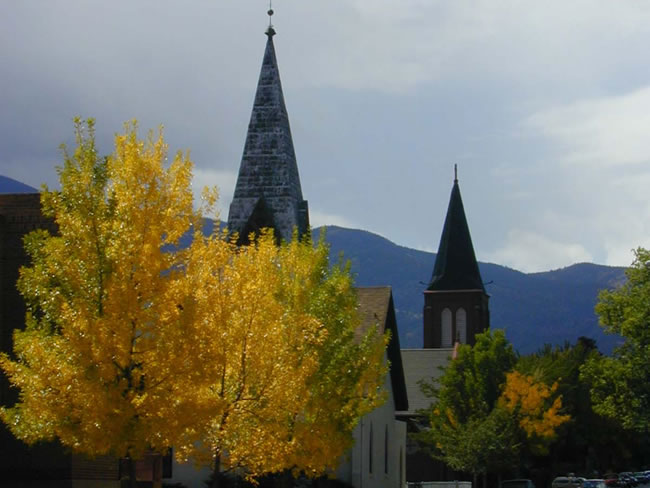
x=455, y=302
x=268, y=192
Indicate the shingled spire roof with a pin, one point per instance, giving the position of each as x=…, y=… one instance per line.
x=456, y=267
x=268, y=192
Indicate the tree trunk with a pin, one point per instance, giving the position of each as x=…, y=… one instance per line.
x=216, y=473
x=133, y=483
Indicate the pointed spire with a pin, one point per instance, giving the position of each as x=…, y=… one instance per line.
x=268, y=184
x=456, y=267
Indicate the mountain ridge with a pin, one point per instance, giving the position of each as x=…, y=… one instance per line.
x=9, y=185
x=555, y=306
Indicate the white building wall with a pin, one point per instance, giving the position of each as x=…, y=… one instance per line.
x=355, y=468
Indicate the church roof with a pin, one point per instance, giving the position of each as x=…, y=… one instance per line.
x=422, y=365
x=268, y=186
x=376, y=307
x=456, y=267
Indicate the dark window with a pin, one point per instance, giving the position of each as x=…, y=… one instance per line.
x=461, y=326
x=370, y=451
x=386, y=451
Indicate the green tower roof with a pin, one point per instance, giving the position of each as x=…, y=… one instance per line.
x=456, y=267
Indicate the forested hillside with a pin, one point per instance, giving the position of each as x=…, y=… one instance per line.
x=536, y=308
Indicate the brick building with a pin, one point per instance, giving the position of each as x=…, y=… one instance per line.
x=46, y=464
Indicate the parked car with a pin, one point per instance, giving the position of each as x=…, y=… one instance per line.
x=520, y=483
x=594, y=483
x=628, y=479
x=612, y=481
x=567, y=482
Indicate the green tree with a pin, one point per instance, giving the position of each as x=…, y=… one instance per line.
x=588, y=442
x=485, y=413
x=481, y=445
x=244, y=357
x=467, y=429
x=619, y=384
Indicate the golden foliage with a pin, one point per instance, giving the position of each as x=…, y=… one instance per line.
x=533, y=403
x=95, y=365
x=266, y=401
x=243, y=355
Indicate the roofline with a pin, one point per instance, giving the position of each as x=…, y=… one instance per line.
x=408, y=414
x=394, y=355
x=426, y=349
x=403, y=415
x=469, y=290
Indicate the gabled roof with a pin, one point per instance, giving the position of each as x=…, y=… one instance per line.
x=456, y=267
x=268, y=168
x=376, y=307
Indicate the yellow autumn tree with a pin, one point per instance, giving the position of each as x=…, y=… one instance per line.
x=286, y=377
x=536, y=406
x=96, y=364
x=235, y=356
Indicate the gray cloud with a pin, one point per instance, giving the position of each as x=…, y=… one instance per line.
x=543, y=106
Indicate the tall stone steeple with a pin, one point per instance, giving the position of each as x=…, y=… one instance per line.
x=268, y=192
x=455, y=302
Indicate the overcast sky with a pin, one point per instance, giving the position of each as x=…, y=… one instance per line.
x=544, y=106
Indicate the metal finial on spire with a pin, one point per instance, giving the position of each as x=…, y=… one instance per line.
x=270, y=31
x=455, y=173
